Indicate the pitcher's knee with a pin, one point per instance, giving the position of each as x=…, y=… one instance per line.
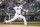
x=24, y=18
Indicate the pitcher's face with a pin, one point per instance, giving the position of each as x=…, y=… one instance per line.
x=18, y=4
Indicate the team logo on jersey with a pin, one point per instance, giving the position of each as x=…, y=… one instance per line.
x=17, y=8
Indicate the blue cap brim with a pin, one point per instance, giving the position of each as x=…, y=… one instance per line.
x=17, y=3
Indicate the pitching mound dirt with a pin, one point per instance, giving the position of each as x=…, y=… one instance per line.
x=2, y=25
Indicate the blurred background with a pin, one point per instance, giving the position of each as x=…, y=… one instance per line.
x=33, y=7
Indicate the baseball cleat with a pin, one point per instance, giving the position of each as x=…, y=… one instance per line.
x=4, y=22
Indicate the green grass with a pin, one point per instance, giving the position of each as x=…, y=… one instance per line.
x=29, y=24
x=34, y=24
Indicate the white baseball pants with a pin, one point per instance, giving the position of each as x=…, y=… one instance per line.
x=17, y=16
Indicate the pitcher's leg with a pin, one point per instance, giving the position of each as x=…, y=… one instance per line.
x=25, y=23
x=15, y=17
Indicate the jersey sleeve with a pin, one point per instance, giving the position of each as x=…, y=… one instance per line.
x=11, y=8
x=21, y=9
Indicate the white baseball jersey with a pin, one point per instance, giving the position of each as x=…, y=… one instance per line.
x=18, y=9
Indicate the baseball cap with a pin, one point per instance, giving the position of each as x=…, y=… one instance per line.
x=17, y=3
